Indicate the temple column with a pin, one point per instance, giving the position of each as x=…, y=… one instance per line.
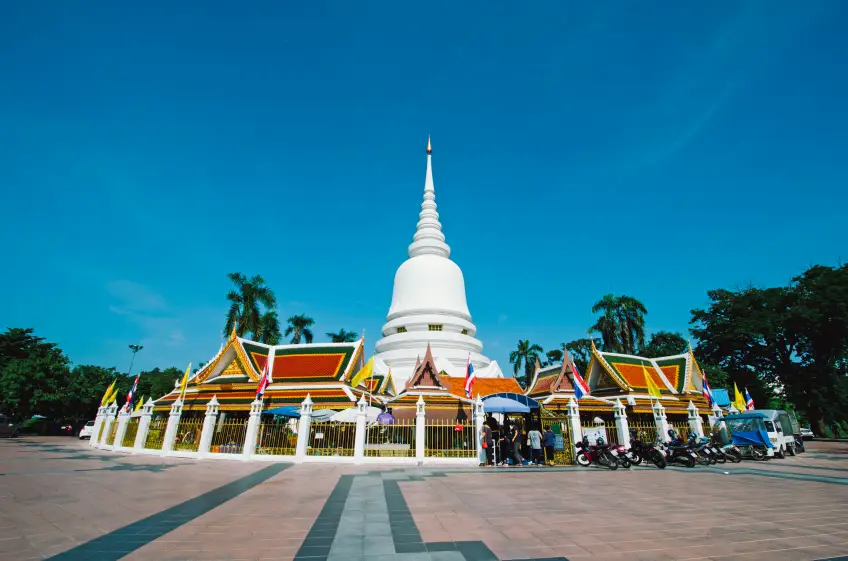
x=303, y=429
x=696, y=424
x=123, y=419
x=143, y=425
x=478, y=425
x=420, y=432
x=208, y=426
x=94, y=442
x=660, y=419
x=252, y=430
x=361, y=428
x=171, y=428
x=107, y=424
x=621, y=424
x=573, y=414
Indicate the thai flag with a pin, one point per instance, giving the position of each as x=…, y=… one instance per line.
x=749, y=402
x=470, y=376
x=707, y=391
x=581, y=388
x=132, y=393
x=265, y=380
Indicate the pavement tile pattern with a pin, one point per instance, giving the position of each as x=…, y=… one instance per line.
x=60, y=499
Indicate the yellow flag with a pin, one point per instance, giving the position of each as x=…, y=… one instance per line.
x=108, y=393
x=184, y=382
x=113, y=397
x=738, y=400
x=363, y=374
x=653, y=390
x=140, y=404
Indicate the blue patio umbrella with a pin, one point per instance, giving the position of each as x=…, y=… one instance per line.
x=287, y=411
x=504, y=405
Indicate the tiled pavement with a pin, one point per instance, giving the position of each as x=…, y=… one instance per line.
x=59, y=499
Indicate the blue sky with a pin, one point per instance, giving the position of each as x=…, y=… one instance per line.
x=656, y=150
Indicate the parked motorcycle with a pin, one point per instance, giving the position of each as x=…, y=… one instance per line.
x=726, y=452
x=599, y=454
x=676, y=451
x=621, y=454
x=640, y=451
x=702, y=449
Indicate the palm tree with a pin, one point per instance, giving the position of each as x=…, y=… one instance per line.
x=528, y=353
x=245, y=314
x=342, y=336
x=269, y=329
x=299, y=329
x=621, y=324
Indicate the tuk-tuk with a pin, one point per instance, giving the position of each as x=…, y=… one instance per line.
x=749, y=434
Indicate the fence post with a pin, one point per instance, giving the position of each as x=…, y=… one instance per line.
x=252, y=429
x=478, y=429
x=171, y=428
x=420, y=432
x=621, y=424
x=208, y=426
x=359, y=437
x=573, y=414
x=107, y=424
x=716, y=415
x=660, y=419
x=303, y=429
x=95, y=431
x=123, y=418
x=696, y=424
x=144, y=425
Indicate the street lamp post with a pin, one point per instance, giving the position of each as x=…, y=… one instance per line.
x=134, y=349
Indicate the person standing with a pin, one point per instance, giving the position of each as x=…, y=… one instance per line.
x=549, y=440
x=488, y=443
x=515, y=440
x=535, y=438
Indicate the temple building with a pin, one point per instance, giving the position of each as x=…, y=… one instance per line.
x=428, y=305
x=619, y=376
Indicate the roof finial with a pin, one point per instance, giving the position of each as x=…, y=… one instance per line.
x=428, y=238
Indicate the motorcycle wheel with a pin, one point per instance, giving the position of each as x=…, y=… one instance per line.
x=702, y=459
x=659, y=460
x=734, y=457
x=625, y=462
x=791, y=449
x=779, y=454
x=690, y=461
x=582, y=459
x=758, y=455
x=635, y=459
x=721, y=458
x=799, y=446
x=713, y=459
x=612, y=461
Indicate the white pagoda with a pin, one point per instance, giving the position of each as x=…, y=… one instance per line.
x=428, y=306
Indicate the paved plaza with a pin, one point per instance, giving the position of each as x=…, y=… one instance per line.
x=60, y=499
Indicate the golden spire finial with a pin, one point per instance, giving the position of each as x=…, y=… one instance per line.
x=429, y=146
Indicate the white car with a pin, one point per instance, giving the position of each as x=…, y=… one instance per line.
x=85, y=432
x=807, y=434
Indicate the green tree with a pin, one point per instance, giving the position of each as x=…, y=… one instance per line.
x=552, y=357
x=156, y=382
x=298, y=329
x=581, y=351
x=664, y=343
x=621, y=324
x=787, y=343
x=269, y=329
x=246, y=305
x=527, y=354
x=342, y=336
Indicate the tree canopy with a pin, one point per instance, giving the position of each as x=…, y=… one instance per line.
x=621, y=324
x=664, y=343
x=342, y=336
x=251, y=310
x=298, y=329
x=526, y=353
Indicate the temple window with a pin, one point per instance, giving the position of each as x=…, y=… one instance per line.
x=464, y=332
x=401, y=330
x=432, y=327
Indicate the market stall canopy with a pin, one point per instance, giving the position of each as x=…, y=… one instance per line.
x=504, y=405
x=349, y=415
x=522, y=399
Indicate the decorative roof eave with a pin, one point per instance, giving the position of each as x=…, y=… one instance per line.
x=351, y=365
x=613, y=374
x=651, y=361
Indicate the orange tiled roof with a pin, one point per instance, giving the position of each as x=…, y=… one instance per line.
x=482, y=386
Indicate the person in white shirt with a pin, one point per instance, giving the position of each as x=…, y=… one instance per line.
x=535, y=438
